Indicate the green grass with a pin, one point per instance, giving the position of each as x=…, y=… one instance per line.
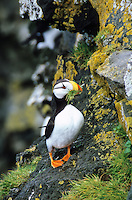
x=93, y=188
x=113, y=185
x=16, y=177
x=101, y=35
x=82, y=53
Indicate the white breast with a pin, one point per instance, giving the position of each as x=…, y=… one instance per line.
x=67, y=126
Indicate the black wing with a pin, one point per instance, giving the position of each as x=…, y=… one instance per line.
x=49, y=127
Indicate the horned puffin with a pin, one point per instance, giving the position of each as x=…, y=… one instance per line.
x=65, y=123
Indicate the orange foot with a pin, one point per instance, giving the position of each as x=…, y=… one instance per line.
x=55, y=163
x=67, y=156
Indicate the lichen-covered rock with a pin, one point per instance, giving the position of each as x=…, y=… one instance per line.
x=90, y=152
x=116, y=14
x=115, y=29
x=68, y=15
x=115, y=35
x=76, y=17
x=114, y=71
x=92, y=149
x=31, y=8
x=124, y=110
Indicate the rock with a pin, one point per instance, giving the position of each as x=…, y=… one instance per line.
x=130, y=194
x=128, y=79
x=90, y=151
x=115, y=30
x=32, y=8
x=124, y=110
x=28, y=155
x=116, y=16
x=67, y=42
x=71, y=16
x=114, y=71
x=115, y=35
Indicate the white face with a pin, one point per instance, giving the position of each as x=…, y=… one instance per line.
x=62, y=88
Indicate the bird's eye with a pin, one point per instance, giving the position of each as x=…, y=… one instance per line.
x=63, y=86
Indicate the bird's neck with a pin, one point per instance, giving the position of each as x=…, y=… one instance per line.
x=59, y=104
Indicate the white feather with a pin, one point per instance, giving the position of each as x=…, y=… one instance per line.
x=45, y=122
x=67, y=126
x=58, y=90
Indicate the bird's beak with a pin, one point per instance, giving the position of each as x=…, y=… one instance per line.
x=76, y=87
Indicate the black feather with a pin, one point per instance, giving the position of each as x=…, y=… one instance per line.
x=49, y=127
x=59, y=105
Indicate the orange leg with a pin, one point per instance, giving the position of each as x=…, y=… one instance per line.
x=67, y=156
x=55, y=163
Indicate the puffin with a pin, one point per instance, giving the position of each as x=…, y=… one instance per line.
x=64, y=125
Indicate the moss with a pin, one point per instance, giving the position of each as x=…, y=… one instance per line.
x=115, y=182
x=95, y=188
x=82, y=53
x=33, y=148
x=16, y=177
x=102, y=35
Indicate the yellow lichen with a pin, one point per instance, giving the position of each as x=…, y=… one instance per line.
x=125, y=40
x=84, y=112
x=101, y=112
x=74, y=163
x=104, y=10
x=126, y=121
x=31, y=149
x=110, y=140
x=66, y=11
x=59, y=74
x=61, y=182
x=129, y=32
x=70, y=71
x=119, y=30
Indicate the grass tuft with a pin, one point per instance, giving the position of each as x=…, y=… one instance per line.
x=113, y=185
x=82, y=53
x=16, y=177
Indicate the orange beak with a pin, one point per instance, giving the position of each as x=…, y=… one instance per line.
x=76, y=87
x=79, y=88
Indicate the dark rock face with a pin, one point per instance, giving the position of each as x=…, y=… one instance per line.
x=48, y=9
x=89, y=24
x=88, y=156
x=65, y=16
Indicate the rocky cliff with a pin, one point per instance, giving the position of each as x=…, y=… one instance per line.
x=106, y=76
